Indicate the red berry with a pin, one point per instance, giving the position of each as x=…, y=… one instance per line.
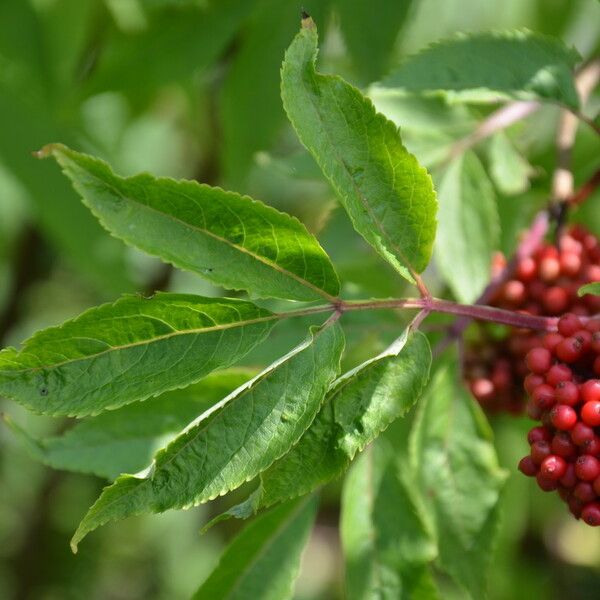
x=567, y=392
x=581, y=433
x=526, y=269
x=538, y=360
x=539, y=451
x=514, y=291
x=570, y=263
x=562, y=445
x=553, y=467
x=591, y=514
x=528, y=467
x=584, y=491
x=569, y=479
x=546, y=484
x=532, y=381
x=597, y=365
x=584, y=337
x=592, y=446
x=590, y=390
x=596, y=485
x=537, y=434
x=575, y=506
x=558, y=373
x=596, y=342
x=563, y=417
x=569, y=350
x=533, y=411
x=549, y=268
x=482, y=388
x=544, y=396
x=568, y=324
x=556, y=300
x=587, y=467
x=551, y=340
x=590, y=413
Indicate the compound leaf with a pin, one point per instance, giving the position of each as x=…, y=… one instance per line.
x=488, y=66
x=229, y=239
x=233, y=442
x=263, y=561
x=130, y=350
x=388, y=195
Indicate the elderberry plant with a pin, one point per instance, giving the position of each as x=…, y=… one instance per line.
x=421, y=481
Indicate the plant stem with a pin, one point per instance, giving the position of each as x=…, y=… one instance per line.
x=479, y=312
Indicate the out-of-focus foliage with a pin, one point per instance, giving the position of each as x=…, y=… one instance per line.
x=191, y=88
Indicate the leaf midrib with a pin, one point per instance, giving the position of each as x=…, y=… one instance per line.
x=195, y=331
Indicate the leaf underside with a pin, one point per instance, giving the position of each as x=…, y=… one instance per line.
x=516, y=64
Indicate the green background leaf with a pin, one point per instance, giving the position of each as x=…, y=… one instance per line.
x=124, y=440
x=262, y=562
x=491, y=66
x=370, y=30
x=469, y=230
x=388, y=195
x=457, y=474
x=386, y=541
x=589, y=288
x=250, y=106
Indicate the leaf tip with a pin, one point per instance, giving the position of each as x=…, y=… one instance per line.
x=47, y=150
x=307, y=20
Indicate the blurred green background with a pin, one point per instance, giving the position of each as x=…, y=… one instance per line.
x=190, y=88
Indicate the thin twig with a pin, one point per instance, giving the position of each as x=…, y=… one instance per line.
x=500, y=119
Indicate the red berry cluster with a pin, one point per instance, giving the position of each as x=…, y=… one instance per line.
x=545, y=283
x=563, y=385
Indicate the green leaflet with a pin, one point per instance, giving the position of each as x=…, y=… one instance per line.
x=370, y=30
x=263, y=561
x=388, y=195
x=233, y=442
x=386, y=542
x=130, y=350
x=509, y=170
x=469, y=228
x=360, y=405
x=231, y=240
x=456, y=470
x=481, y=67
x=589, y=288
x=124, y=440
x=171, y=47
